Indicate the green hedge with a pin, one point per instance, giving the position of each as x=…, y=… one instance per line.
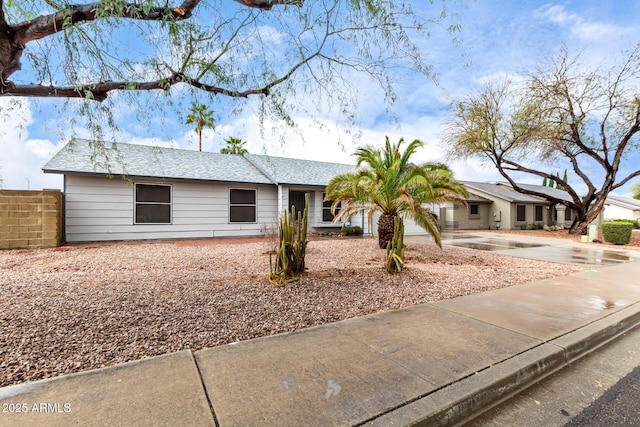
x=633, y=222
x=618, y=233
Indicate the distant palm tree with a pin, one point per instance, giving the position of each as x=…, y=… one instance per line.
x=234, y=146
x=201, y=116
x=394, y=186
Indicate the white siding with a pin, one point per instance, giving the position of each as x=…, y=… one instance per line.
x=410, y=226
x=618, y=212
x=103, y=209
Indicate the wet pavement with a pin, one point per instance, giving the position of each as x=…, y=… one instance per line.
x=538, y=248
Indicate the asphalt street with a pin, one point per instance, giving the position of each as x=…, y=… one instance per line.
x=619, y=406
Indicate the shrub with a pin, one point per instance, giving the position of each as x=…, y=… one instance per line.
x=618, y=233
x=633, y=222
x=531, y=227
x=352, y=231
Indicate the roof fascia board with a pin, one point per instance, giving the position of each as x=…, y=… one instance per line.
x=152, y=178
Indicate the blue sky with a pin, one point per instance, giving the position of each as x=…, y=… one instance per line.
x=497, y=38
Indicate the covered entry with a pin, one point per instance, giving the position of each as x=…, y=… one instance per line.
x=296, y=198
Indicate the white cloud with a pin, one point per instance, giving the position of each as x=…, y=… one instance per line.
x=23, y=158
x=558, y=15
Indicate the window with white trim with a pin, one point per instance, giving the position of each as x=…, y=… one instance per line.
x=242, y=205
x=152, y=204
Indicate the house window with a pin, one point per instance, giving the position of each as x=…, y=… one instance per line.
x=242, y=205
x=327, y=216
x=538, y=213
x=521, y=213
x=153, y=204
x=474, y=209
x=567, y=214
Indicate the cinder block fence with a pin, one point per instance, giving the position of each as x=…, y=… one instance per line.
x=30, y=219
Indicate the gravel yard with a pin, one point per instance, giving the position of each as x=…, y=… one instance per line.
x=80, y=307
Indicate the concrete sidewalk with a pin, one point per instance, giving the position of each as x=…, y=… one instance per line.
x=435, y=364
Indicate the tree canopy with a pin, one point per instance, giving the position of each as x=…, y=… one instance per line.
x=277, y=51
x=202, y=116
x=561, y=114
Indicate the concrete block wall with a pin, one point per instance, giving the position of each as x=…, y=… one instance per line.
x=30, y=219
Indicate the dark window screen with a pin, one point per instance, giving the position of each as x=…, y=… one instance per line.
x=538, y=213
x=242, y=205
x=153, y=204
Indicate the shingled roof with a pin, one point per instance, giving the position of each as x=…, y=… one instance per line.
x=283, y=170
x=86, y=158
x=504, y=191
x=624, y=202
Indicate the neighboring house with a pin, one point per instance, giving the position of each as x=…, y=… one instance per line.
x=498, y=205
x=620, y=207
x=130, y=192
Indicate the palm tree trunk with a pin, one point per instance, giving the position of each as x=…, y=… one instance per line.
x=385, y=230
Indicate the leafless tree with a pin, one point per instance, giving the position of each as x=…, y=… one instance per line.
x=560, y=114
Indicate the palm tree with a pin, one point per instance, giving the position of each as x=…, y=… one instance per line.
x=394, y=186
x=234, y=146
x=201, y=116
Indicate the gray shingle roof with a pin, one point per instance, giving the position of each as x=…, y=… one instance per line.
x=501, y=191
x=554, y=192
x=300, y=172
x=504, y=191
x=82, y=157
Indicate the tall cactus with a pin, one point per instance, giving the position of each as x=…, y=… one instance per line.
x=292, y=247
x=395, y=247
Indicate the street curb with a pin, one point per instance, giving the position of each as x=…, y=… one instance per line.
x=590, y=337
x=466, y=399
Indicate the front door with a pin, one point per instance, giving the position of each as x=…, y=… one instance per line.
x=296, y=198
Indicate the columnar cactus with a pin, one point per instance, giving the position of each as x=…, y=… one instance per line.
x=395, y=247
x=292, y=247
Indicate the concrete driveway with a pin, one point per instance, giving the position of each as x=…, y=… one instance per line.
x=539, y=248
